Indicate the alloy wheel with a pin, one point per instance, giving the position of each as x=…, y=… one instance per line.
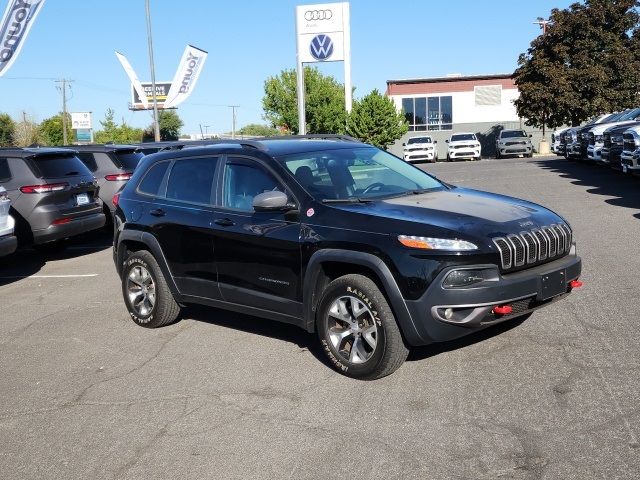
x=141, y=290
x=352, y=329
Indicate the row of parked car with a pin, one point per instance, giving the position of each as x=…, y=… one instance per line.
x=48, y=195
x=466, y=146
x=612, y=139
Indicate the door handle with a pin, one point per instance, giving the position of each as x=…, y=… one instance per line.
x=224, y=222
x=158, y=212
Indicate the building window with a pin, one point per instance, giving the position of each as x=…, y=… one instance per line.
x=428, y=113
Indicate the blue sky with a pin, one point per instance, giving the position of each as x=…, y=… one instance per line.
x=247, y=42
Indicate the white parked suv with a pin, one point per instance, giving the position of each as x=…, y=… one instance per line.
x=419, y=149
x=463, y=145
x=8, y=241
x=630, y=157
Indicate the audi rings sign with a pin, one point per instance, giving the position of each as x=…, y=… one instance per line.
x=321, y=32
x=323, y=35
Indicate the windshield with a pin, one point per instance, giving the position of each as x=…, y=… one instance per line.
x=128, y=159
x=513, y=134
x=419, y=140
x=611, y=118
x=630, y=115
x=356, y=173
x=462, y=137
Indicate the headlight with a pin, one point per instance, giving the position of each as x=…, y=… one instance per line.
x=463, y=278
x=428, y=243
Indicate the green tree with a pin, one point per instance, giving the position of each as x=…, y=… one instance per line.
x=51, y=130
x=170, y=125
x=257, y=130
x=324, y=98
x=375, y=120
x=26, y=133
x=586, y=64
x=7, y=129
x=112, y=132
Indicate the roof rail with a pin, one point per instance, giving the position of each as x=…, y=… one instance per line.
x=219, y=141
x=318, y=136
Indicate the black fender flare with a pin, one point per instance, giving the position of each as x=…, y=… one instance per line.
x=153, y=246
x=377, y=265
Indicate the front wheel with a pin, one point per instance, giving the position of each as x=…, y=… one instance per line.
x=146, y=293
x=358, y=330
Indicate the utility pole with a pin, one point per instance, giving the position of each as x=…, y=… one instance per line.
x=543, y=24
x=233, y=120
x=156, y=125
x=63, y=89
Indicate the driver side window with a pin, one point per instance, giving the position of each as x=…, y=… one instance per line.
x=243, y=180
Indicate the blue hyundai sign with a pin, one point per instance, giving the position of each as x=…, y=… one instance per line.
x=321, y=47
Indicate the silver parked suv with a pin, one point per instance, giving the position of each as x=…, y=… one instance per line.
x=8, y=241
x=513, y=142
x=53, y=195
x=112, y=165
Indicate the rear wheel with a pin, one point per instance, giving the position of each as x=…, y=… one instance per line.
x=146, y=293
x=358, y=330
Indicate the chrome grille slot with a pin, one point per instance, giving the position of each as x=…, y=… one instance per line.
x=553, y=240
x=533, y=246
x=518, y=249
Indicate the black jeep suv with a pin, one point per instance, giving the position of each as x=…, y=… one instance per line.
x=336, y=237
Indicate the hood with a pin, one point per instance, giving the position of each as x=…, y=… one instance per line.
x=514, y=139
x=418, y=145
x=599, y=130
x=459, y=212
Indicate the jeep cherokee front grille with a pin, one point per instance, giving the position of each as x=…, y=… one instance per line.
x=533, y=246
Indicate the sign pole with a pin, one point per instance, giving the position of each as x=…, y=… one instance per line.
x=156, y=125
x=302, y=124
x=348, y=90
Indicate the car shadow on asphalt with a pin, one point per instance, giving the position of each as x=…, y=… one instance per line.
x=309, y=341
x=26, y=262
x=604, y=181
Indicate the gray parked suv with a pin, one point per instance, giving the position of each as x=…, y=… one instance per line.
x=112, y=165
x=513, y=142
x=53, y=195
x=8, y=241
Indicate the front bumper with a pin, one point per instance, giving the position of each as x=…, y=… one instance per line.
x=514, y=150
x=75, y=227
x=630, y=161
x=8, y=245
x=573, y=150
x=525, y=291
x=464, y=153
x=419, y=155
x=594, y=152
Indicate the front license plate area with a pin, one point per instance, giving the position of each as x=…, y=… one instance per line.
x=82, y=199
x=552, y=284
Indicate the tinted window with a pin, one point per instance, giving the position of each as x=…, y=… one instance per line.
x=513, y=134
x=361, y=172
x=151, y=182
x=128, y=160
x=191, y=180
x=88, y=160
x=5, y=173
x=243, y=181
x=419, y=140
x=463, y=136
x=56, y=166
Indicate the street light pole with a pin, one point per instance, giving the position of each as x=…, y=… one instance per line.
x=233, y=120
x=156, y=125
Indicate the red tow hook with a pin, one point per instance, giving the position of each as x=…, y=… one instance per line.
x=575, y=283
x=502, y=310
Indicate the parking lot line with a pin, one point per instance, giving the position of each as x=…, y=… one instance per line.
x=17, y=277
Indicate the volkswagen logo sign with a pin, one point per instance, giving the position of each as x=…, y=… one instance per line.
x=321, y=47
x=311, y=15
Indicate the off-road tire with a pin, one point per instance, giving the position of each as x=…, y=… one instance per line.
x=165, y=309
x=390, y=351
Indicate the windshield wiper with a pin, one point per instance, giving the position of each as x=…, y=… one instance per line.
x=411, y=192
x=347, y=200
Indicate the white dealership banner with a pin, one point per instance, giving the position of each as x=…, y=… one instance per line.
x=323, y=34
x=135, y=82
x=81, y=120
x=186, y=76
x=17, y=21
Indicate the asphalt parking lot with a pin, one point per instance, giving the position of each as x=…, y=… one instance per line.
x=85, y=393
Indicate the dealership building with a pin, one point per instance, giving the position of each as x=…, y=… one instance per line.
x=440, y=106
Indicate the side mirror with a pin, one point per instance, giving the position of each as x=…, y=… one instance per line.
x=271, y=201
x=404, y=144
x=435, y=141
x=531, y=135
x=447, y=141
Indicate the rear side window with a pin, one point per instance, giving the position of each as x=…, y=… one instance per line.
x=56, y=166
x=5, y=173
x=191, y=180
x=88, y=159
x=150, y=184
x=128, y=160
